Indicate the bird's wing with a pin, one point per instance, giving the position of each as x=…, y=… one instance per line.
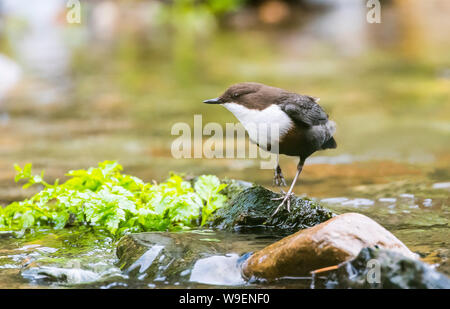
x=303, y=110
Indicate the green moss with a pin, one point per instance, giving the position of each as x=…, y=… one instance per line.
x=253, y=208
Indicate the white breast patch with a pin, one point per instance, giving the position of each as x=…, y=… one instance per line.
x=255, y=120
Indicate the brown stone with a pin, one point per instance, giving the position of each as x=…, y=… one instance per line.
x=326, y=244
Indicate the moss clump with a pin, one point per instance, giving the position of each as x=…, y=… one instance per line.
x=253, y=208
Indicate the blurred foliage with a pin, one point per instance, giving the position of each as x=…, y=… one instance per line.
x=191, y=19
x=197, y=16
x=214, y=7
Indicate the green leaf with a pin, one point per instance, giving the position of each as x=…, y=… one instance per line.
x=27, y=220
x=102, y=196
x=60, y=219
x=206, y=185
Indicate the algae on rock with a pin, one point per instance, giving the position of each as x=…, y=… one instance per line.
x=253, y=208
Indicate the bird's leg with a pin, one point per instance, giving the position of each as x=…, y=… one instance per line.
x=287, y=195
x=278, y=179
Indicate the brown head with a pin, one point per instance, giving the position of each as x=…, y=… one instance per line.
x=249, y=94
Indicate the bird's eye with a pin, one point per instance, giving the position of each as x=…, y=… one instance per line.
x=235, y=95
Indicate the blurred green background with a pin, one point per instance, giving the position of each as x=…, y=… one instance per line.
x=111, y=87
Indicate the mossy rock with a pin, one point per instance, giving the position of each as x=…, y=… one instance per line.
x=252, y=208
x=162, y=254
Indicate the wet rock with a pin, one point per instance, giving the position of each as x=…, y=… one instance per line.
x=327, y=244
x=160, y=255
x=381, y=268
x=180, y=257
x=252, y=208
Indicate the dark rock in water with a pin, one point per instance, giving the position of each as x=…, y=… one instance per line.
x=381, y=268
x=327, y=244
x=175, y=251
x=158, y=255
x=181, y=257
x=253, y=207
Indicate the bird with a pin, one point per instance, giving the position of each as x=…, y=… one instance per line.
x=303, y=126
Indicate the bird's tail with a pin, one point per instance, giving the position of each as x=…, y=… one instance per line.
x=331, y=143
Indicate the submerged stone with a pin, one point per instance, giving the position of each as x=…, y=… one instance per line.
x=180, y=257
x=253, y=206
x=387, y=269
x=160, y=254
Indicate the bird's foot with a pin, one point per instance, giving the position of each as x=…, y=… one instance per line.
x=278, y=179
x=286, y=198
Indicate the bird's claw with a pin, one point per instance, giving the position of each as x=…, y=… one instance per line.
x=286, y=198
x=284, y=195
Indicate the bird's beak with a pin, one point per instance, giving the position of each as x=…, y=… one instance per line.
x=213, y=101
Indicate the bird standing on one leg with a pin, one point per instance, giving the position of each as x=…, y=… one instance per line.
x=303, y=125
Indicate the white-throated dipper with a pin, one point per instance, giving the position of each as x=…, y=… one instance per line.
x=302, y=124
